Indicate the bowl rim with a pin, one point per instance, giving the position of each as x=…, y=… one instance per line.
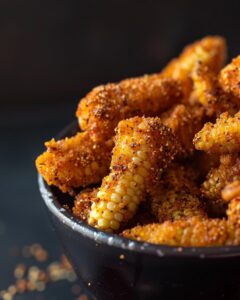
x=115, y=240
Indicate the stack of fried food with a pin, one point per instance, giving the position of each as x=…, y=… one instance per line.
x=162, y=152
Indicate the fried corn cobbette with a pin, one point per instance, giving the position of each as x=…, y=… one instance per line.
x=185, y=122
x=220, y=138
x=74, y=162
x=144, y=147
x=177, y=195
x=157, y=159
x=194, y=231
x=217, y=179
x=149, y=95
x=210, y=52
x=229, y=79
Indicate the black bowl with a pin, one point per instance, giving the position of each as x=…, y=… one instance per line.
x=113, y=267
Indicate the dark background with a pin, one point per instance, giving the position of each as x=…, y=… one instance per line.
x=51, y=54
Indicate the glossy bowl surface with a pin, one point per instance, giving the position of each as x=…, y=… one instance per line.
x=113, y=267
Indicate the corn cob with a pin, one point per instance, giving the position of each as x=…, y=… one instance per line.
x=217, y=179
x=211, y=51
x=149, y=95
x=229, y=79
x=192, y=232
x=175, y=205
x=185, y=122
x=208, y=92
x=75, y=162
x=177, y=195
x=143, y=149
x=220, y=138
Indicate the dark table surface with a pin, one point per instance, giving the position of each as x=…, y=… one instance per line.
x=23, y=219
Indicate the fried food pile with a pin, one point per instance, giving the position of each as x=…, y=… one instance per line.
x=156, y=158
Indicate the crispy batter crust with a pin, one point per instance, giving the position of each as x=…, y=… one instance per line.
x=83, y=202
x=227, y=171
x=229, y=79
x=220, y=138
x=177, y=195
x=74, y=162
x=185, y=122
x=195, y=231
x=210, y=51
x=106, y=105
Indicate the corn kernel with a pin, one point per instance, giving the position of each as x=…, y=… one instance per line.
x=116, y=197
x=133, y=184
x=107, y=215
x=118, y=216
x=102, y=205
x=91, y=221
x=103, y=223
x=111, y=206
x=114, y=224
x=94, y=214
x=101, y=194
x=126, y=198
x=119, y=189
x=136, y=160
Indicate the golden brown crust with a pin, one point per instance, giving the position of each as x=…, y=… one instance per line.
x=149, y=95
x=217, y=179
x=195, y=231
x=220, y=138
x=83, y=202
x=185, y=122
x=177, y=195
x=210, y=51
x=229, y=79
x=74, y=162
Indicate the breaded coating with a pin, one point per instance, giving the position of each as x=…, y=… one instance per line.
x=207, y=91
x=175, y=205
x=231, y=190
x=210, y=51
x=205, y=84
x=144, y=147
x=185, y=122
x=177, y=195
x=83, y=202
x=75, y=162
x=106, y=105
x=229, y=79
x=227, y=171
x=195, y=231
x=220, y=138
x=192, y=232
